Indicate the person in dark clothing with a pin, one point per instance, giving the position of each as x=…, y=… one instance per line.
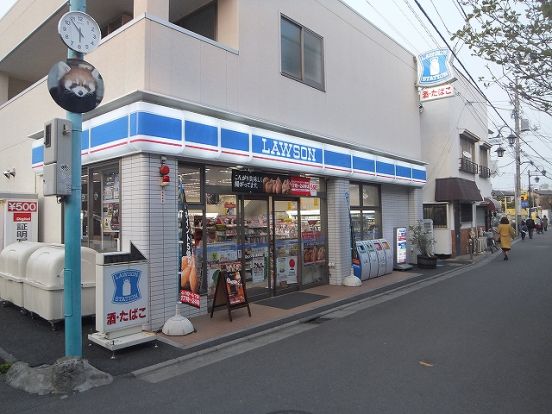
x=523, y=229
x=530, y=226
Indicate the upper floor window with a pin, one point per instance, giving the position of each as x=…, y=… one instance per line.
x=302, y=54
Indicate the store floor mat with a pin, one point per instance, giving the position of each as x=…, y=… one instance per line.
x=291, y=300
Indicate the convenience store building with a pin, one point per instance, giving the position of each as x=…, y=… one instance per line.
x=279, y=137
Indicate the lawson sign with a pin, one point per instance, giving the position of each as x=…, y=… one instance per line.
x=435, y=68
x=151, y=128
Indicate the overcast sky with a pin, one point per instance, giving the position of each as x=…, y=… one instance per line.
x=404, y=22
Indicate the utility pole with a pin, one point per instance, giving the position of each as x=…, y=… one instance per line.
x=517, y=192
x=72, y=230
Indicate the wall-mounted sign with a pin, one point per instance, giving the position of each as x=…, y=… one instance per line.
x=260, y=183
x=435, y=67
x=20, y=221
x=437, y=92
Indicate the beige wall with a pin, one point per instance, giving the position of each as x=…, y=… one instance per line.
x=357, y=106
x=25, y=17
x=159, y=8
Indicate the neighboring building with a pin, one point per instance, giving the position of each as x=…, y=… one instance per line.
x=305, y=94
x=457, y=196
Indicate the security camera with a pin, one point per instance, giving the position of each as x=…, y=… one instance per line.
x=9, y=173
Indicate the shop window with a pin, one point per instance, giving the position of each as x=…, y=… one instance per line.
x=466, y=213
x=302, y=54
x=218, y=177
x=370, y=195
x=100, y=208
x=313, y=237
x=190, y=178
x=354, y=195
x=366, y=213
x=437, y=213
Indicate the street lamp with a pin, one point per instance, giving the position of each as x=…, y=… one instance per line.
x=500, y=151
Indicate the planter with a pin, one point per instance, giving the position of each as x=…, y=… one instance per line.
x=427, y=262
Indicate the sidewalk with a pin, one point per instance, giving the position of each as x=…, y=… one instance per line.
x=32, y=340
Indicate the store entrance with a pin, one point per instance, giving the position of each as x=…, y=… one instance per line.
x=255, y=246
x=286, y=245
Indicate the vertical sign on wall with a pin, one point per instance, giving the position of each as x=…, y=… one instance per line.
x=20, y=221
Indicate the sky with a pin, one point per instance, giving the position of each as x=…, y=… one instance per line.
x=403, y=21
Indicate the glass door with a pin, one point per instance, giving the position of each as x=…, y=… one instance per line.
x=255, y=246
x=286, y=245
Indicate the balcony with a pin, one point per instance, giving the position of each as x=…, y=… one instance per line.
x=468, y=166
x=484, y=172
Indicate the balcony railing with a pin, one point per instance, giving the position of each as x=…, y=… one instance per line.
x=484, y=172
x=468, y=166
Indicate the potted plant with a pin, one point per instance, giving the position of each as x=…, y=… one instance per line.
x=424, y=242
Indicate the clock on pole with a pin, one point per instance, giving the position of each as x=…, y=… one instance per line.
x=79, y=31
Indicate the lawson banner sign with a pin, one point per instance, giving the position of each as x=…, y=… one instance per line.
x=145, y=127
x=435, y=68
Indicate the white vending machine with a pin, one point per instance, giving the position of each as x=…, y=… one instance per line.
x=18, y=218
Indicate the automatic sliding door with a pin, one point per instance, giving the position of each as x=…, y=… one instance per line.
x=286, y=245
x=255, y=246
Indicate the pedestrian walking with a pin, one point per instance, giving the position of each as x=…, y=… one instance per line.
x=523, y=229
x=538, y=225
x=530, y=226
x=506, y=233
x=545, y=223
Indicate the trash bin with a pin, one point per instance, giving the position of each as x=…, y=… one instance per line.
x=43, y=288
x=13, y=264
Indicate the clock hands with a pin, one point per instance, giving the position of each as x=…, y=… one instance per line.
x=78, y=29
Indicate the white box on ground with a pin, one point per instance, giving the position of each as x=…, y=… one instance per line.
x=43, y=288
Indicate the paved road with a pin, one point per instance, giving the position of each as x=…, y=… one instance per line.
x=479, y=342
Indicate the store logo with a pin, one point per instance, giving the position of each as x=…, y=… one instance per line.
x=287, y=150
x=127, y=288
x=435, y=68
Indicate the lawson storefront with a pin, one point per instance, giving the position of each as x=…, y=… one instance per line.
x=277, y=207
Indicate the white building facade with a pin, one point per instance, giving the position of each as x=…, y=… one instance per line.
x=458, y=194
x=307, y=98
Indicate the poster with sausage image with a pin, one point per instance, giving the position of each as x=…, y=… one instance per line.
x=261, y=183
x=189, y=274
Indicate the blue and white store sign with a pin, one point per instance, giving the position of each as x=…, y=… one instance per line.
x=121, y=297
x=435, y=68
x=145, y=127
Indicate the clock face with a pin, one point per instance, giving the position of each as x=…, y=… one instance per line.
x=79, y=31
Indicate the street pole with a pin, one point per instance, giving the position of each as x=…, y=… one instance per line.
x=72, y=229
x=517, y=192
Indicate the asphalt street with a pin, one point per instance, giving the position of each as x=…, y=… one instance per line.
x=478, y=342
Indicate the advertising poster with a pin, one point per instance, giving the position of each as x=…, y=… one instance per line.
x=260, y=183
x=21, y=221
x=286, y=268
x=189, y=280
x=400, y=245
x=231, y=273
